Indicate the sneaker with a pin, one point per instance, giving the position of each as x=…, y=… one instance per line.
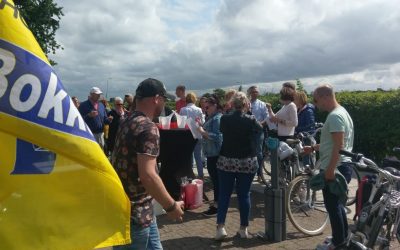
x=221, y=233
x=243, y=233
x=211, y=211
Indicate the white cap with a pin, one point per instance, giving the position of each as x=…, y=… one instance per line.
x=95, y=90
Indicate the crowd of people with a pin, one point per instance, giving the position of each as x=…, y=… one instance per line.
x=233, y=133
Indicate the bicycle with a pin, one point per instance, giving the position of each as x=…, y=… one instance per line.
x=304, y=206
x=289, y=153
x=377, y=220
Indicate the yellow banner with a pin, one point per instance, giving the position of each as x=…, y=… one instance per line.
x=57, y=188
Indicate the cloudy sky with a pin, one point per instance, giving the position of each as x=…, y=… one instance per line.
x=220, y=43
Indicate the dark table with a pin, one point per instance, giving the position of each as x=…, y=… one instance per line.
x=176, y=149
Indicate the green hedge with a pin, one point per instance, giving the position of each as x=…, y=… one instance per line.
x=376, y=117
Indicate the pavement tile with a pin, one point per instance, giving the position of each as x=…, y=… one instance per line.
x=197, y=231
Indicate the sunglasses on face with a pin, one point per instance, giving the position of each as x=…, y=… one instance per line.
x=119, y=104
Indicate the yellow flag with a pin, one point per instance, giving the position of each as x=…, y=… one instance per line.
x=57, y=188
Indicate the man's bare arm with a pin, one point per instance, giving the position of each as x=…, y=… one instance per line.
x=155, y=187
x=338, y=142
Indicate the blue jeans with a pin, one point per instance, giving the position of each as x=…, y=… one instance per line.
x=226, y=182
x=143, y=238
x=336, y=211
x=212, y=171
x=259, y=150
x=198, y=158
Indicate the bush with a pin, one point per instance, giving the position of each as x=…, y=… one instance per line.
x=376, y=118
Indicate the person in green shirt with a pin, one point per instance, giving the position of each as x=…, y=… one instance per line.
x=337, y=133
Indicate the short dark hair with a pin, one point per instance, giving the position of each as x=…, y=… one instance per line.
x=289, y=85
x=251, y=88
x=213, y=99
x=287, y=94
x=181, y=87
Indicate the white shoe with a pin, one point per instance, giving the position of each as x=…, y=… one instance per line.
x=243, y=233
x=221, y=233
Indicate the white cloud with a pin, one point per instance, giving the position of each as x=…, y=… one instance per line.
x=210, y=44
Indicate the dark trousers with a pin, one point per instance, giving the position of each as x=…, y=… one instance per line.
x=242, y=182
x=212, y=171
x=336, y=210
x=259, y=150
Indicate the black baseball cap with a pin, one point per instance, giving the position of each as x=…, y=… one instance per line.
x=151, y=87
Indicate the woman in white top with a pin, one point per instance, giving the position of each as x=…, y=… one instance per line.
x=194, y=112
x=286, y=117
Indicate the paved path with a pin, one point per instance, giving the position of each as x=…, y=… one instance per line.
x=197, y=231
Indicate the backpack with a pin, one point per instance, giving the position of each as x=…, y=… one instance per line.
x=364, y=192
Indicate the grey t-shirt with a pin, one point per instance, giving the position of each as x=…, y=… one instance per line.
x=338, y=120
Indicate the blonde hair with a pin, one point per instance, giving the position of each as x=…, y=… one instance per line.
x=229, y=94
x=240, y=101
x=191, y=98
x=301, y=97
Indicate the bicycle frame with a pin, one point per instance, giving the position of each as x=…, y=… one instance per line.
x=373, y=216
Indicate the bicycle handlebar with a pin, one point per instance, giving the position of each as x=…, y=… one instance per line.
x=353, y=156
x=368, y=163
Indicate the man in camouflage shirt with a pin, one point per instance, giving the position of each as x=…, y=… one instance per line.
x=134, y=159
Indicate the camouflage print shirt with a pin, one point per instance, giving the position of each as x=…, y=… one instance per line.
x=136, y=135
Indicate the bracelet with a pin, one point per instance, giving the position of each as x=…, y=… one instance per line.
x=170, y=208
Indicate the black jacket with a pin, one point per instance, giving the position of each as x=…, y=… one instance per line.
x=239, y=135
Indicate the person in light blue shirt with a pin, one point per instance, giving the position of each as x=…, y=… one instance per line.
x=337, y=133
x=259, y=110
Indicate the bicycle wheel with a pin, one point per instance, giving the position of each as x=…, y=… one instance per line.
x=305, y=208
x=266, y=171
x=353, y=186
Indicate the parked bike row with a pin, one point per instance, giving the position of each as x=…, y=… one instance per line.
x=373, y=191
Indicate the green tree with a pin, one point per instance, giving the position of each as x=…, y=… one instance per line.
x=220, y=93
x=43, y=19
x=300, y=86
